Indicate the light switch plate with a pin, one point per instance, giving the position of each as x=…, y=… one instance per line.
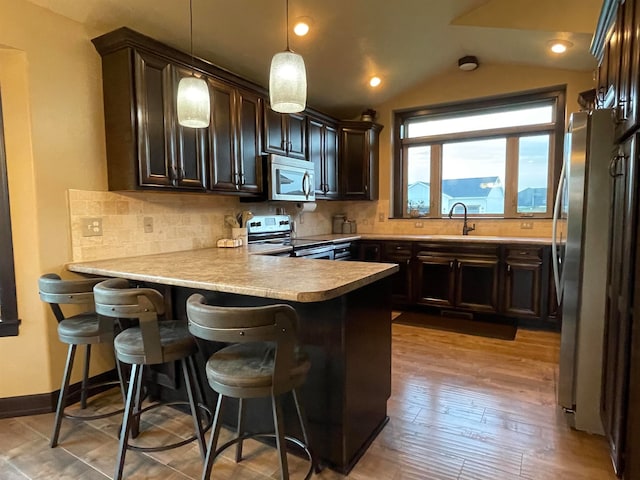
x=92, y=227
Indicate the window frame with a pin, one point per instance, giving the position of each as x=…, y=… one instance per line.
x=556, y=93
x=9, y=321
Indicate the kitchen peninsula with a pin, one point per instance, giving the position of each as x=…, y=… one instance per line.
x=345, y=326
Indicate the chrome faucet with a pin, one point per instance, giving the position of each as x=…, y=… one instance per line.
x=465, y=228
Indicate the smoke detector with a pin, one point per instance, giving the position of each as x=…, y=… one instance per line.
x=468, y=63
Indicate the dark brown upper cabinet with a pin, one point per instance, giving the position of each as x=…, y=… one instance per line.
x=359, y=160
x=285, y=134
x=234, y=139
x=145, y=145
x=322, y=150
x=148, y=149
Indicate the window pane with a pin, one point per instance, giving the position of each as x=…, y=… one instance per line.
x=533, y=171
x=531, y=115
x=418, y=180
x=473, y=173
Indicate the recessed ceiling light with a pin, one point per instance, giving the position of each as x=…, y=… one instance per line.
x=559, y=46
x=302, y=26
x=375, y=81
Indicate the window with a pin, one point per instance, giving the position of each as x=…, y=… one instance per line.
x=8, y=305
x=499, y=156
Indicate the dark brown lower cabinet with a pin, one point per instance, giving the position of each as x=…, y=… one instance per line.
x=401, y=288
x=369, y=251
x=462, y=276
x=617, y=407
x=523, y=281
x=508, y=281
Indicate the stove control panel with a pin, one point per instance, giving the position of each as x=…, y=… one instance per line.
x=269, y=224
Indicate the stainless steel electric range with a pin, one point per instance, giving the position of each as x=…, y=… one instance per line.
x=276, y=230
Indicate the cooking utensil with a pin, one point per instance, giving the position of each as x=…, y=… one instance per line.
x=246, y=216
x=231, y=221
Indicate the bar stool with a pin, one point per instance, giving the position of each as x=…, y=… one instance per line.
x=82, y=329
x=263, y=361
x=153, y=342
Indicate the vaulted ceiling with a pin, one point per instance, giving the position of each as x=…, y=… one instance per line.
x=402, y=41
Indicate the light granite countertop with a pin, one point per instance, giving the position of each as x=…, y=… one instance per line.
x=244, y=271
x=434, y=238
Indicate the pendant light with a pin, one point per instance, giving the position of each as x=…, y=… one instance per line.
x=287, y=79
x=194, y=108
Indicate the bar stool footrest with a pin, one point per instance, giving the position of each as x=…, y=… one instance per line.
x=160, y=448
x=288, y=438
x=113, y=383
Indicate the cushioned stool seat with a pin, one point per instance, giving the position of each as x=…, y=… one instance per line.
x=263, y=361
x=175, y=342
x=251, y=365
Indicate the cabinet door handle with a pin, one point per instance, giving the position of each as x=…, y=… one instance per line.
x=451, y=264
x=237, y=179
x=509, y=268
x=620, y=112
x=366, y=188
x=242, y=181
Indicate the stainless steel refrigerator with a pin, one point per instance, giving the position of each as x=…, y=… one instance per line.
x=581, y=217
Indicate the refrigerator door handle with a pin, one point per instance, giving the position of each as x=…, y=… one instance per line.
x=557, y=277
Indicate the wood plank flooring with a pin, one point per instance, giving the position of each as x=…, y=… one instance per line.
x=462, y=408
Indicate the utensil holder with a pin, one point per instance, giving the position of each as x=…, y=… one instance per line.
x=241, y=233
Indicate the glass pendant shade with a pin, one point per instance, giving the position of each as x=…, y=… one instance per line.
x=194, y=107
x=287, y=83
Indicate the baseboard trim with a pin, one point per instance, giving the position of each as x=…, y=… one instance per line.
x=46, y=402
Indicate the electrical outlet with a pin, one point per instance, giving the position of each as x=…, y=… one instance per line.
x=527, y=225
x=92, y=227
x=419, y=225
x=381, y=216
x=148, y=224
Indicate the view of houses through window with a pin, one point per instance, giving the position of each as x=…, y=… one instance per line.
x=496, y=160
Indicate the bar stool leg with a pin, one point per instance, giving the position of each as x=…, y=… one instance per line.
x=198, y=381
x=62, y=398
x=213, y=441
x=135, y=426
x=85, y=376
x=280, y=440
x=127, y=420
x=123, y=388
x=240, y=429
x=195, y=410
x=305, y=429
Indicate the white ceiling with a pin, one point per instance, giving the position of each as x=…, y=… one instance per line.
x=402, y=41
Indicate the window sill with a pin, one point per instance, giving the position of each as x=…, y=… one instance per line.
x=9, y=328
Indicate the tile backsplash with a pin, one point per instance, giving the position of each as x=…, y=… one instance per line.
x=138, y=223
x=174, y=222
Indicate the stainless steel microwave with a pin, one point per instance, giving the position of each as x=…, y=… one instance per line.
x=290, y=179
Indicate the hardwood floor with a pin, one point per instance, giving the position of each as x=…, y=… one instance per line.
x=462, y=408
